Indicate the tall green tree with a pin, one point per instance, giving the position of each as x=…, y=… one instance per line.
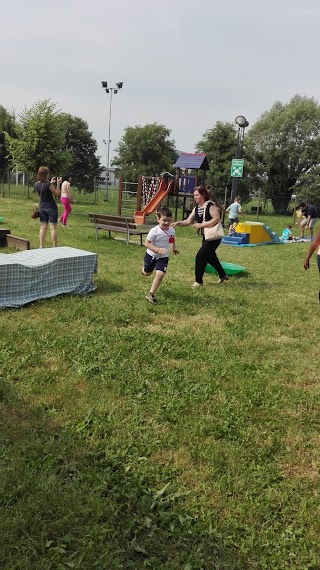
x=40, y=140
x=7, y=125
x=285, y=143
x=146, y=150
x=308, y=187
x=82, y=147
x=220, y=144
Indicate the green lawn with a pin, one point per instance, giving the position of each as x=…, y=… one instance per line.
x=182, y=436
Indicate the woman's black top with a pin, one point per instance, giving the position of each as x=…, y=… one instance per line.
x=45, y=194
x=199, y=212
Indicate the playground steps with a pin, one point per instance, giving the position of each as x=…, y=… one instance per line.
x=237, y=238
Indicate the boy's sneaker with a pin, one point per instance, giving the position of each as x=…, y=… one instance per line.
x=151, y=298
x=196, y=284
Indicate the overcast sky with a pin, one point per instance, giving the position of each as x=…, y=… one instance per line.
x=185, y=64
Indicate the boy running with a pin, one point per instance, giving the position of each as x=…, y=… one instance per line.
x=233, y=212
x=158, y=242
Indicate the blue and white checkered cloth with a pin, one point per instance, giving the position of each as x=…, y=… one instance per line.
x=41, y=273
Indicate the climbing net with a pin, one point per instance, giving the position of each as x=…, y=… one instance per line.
x=149, y=188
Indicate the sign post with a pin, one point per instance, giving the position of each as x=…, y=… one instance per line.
x=237, y=168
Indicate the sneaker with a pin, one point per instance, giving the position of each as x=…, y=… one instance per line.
x=223, y=279
x=151, y=298
x=196, y=284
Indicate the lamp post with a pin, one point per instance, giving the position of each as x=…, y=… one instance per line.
x=111, y=90
x=106, y=162
x=242, y=123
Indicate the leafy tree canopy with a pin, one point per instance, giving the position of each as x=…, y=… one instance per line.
x=219, y=143
x=82, y=147
x=58, y=140
x=145, y=150
x=40, y=140
x=7, y=125
x=285, y=145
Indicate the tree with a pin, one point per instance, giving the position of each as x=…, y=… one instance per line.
x=7, y=125
x=286, y=148
x=40, y=140
x=84, y=164
x=220, y=143
x=144, y=150
x=308, y=188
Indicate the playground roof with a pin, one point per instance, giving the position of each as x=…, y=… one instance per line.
x=190, y=160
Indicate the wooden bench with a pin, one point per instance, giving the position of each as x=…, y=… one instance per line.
x=256, y=210
x=113, y=223
x=17, y=242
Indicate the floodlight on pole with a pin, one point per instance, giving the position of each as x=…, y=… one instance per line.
x=242, y=123
x=110, y=90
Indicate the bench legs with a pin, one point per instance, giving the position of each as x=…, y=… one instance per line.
x=128, y=236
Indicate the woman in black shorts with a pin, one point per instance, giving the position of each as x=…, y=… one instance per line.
x=48, y=208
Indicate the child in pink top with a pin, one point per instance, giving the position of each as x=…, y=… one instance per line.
x=65, y=198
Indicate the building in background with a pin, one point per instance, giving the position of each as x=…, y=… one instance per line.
x=113, y=180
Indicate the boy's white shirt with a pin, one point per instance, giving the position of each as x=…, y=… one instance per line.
x=160, y=238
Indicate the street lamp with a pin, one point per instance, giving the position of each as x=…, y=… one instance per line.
x=242, y=123
x=106, y=162
x=111, y=90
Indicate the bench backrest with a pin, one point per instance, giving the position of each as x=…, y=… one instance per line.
x=116, y=221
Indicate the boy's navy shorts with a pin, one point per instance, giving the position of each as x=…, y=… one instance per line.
x=150, y=263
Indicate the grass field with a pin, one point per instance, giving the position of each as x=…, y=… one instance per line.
x=182, y=436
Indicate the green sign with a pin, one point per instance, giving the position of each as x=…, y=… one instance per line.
x=237, y=167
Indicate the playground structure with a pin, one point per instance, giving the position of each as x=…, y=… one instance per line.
x=251, y=233
x=163, y=190
x=185, y=183
x=146, y=195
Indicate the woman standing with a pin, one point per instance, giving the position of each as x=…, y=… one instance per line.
x=47, y=206
x=315, y=244
x=66, y=196
x=207, y=252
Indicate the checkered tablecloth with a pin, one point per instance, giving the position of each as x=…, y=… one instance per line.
x=40, y=273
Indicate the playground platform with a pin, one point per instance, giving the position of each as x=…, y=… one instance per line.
x=250, y=234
